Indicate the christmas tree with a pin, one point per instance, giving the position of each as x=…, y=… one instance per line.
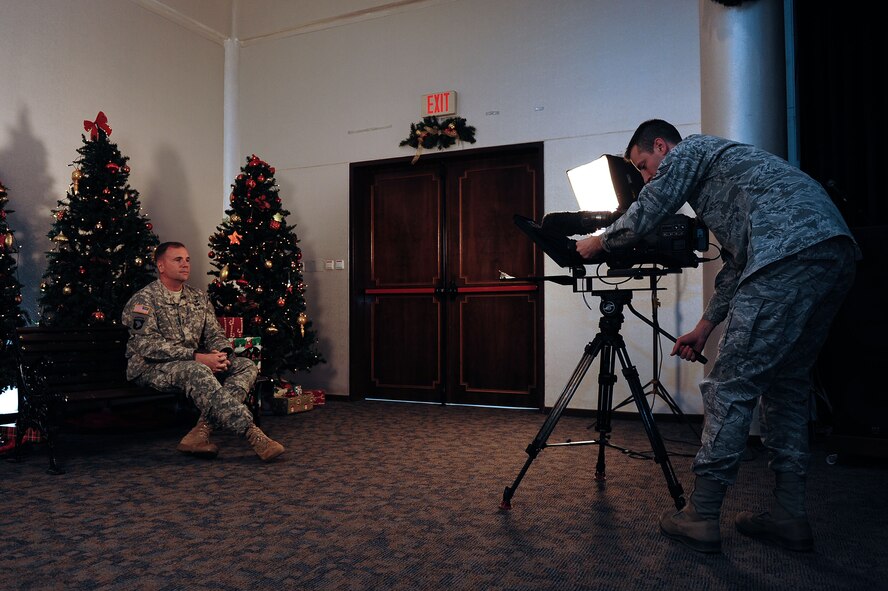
x=259, y=272
x=11, y=314
x=103, y=243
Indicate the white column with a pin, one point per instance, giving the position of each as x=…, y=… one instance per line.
x=743, y=72
x=230, y=136
x=743, y=89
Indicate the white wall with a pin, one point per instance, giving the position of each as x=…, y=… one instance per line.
x=160, y=86
x=577, y=74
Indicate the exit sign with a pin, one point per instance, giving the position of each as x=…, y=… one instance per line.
x=439, y=103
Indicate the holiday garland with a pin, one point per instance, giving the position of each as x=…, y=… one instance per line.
x=430, y=133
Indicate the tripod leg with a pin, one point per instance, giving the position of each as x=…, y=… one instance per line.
x=606, y=380
x=647, y=418
x=539, y=442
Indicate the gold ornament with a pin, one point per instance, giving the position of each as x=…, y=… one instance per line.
x=99, y=225
x=60, y=237
x=7, y=241
x=75, y=177
x=269, y=263
x=139, y=261
x=67, y=290
x=278, y=217
x=234, y=218
x=271, y=329
x=302, y=320
x=223, y=274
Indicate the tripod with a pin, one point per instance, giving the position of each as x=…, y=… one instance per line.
x=609, y=343
x=657, y=389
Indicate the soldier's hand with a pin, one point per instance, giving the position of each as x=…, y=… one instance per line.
x=215, y=360
x=590, y=247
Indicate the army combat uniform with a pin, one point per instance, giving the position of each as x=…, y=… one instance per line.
x=166, y=330
x=788, y=262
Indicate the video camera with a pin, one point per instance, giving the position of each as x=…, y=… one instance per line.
x=672, y=244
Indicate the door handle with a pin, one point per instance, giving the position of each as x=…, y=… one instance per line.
x=452, y=291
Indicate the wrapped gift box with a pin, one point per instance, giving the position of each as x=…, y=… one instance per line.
x=8, y=434
x=287, y=405
x=232, y=325
x=249, y=347
x=318, y=397
x=284, y=389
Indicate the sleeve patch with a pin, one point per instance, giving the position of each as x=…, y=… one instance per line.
x=141, y=309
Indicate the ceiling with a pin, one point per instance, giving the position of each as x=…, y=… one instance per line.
x=251, y=21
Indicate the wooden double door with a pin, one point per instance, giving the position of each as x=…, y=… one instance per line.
x=431, y=320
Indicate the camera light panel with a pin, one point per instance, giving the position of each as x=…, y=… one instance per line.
x=593, y=187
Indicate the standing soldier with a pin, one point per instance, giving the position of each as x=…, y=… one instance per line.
x=788, y=261
x=177, y=345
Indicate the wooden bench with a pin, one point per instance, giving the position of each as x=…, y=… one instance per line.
x=66, y=370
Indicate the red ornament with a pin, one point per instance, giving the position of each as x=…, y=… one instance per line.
x=82, y=271
x=262, y=202
x=251, y=183
x=282, y=302
x=234, y=237
x=98, y=315
x=231, y=198
x=211, y=254
x=106, y=191
x=261, y=178
x=150, y=226
x=257, y=319
x=274, y=224
x=126, y=169
x=271, y=170
x=299, y=256
x=112, y=166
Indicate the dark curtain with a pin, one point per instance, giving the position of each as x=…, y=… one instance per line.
x=841, y=62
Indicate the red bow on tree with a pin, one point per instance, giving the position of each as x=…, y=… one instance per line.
x=93, y=127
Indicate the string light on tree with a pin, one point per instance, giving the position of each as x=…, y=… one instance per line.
x=256, y=255
x=11, y=314
x=100, y=238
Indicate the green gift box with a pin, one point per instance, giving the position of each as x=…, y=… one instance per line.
x=248, y=347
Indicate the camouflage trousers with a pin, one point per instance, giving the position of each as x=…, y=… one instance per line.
x=777, y=323
x=219, y=397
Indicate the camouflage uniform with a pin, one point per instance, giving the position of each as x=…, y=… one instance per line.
x=165, y=334
x=789, y=260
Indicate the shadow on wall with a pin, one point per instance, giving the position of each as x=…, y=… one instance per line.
x=168, y=202
x=24, y=171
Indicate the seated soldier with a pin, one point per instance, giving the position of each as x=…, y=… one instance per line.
x=177, y=345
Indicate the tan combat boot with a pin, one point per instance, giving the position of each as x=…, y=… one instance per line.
x=197, y=441
x=786, y=524
x=696, y=525
x=267, y=449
